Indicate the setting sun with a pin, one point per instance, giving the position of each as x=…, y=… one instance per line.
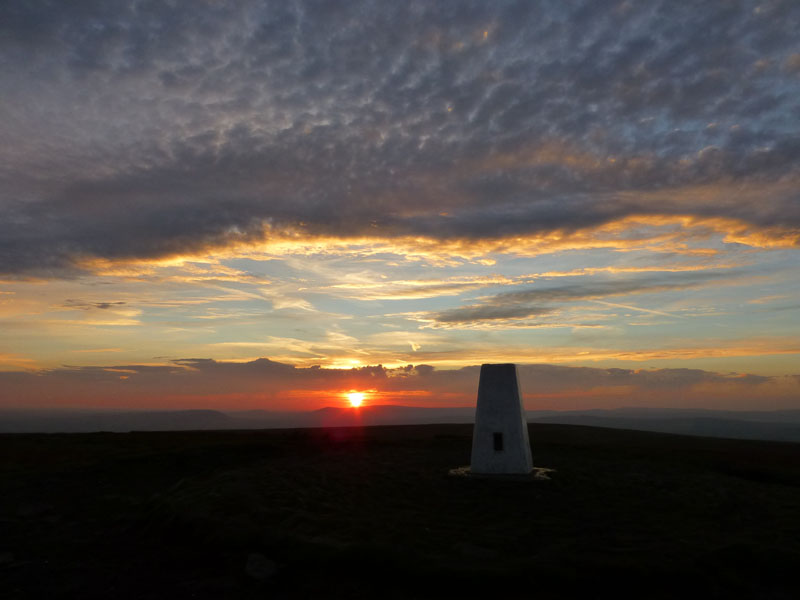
x=355, y=398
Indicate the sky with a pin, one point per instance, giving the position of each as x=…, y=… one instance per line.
x=242, y=205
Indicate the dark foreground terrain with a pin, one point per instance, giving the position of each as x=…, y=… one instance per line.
x=371, y=513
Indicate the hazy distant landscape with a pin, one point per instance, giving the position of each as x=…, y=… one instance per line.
x=781, y=425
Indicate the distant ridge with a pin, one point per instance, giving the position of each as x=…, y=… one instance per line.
x=83, y=421
x=391, y=414
x=771, y=428
x=779, y=425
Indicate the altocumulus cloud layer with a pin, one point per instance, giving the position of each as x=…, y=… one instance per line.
x=135, y=129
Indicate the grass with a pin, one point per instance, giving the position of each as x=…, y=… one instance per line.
x=366, y=512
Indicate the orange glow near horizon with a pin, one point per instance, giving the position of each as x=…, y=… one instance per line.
x=355, y=399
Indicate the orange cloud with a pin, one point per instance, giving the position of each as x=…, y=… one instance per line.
x=711, y=348
x=683, y=234
x=203, y=383
x=14, y=362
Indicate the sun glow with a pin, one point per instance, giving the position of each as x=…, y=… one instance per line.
x=356, y=399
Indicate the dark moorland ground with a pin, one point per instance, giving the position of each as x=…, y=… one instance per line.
x=371, y=513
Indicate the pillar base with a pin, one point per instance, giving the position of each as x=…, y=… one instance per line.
x=535, y=474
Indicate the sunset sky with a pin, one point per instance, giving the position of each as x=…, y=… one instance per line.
x=243, y=205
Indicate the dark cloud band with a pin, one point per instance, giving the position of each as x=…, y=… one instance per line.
x=204, y=382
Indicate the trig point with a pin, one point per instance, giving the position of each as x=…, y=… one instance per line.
x=500, y=444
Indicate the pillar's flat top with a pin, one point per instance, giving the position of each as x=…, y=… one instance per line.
x=497, y=365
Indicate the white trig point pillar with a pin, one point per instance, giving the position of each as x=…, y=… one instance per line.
x=500, y=442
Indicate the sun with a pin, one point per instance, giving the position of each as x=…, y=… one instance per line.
x=355, y=398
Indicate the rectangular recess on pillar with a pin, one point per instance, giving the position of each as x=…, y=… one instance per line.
x=498, y=441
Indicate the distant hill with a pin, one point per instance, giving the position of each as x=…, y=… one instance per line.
x=781, y=425
x=703, y=426
x=388, y=414
x=783, y=416
x=84, y=421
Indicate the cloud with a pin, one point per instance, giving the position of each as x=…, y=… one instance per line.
x=264, y=383
x=142, y=131
x=366, y=289
x=70, y=303
x=490, y=311
x=523, y=304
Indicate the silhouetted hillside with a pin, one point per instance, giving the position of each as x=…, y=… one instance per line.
x=370, y=512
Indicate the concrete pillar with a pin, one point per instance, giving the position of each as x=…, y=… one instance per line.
x=500, y=442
